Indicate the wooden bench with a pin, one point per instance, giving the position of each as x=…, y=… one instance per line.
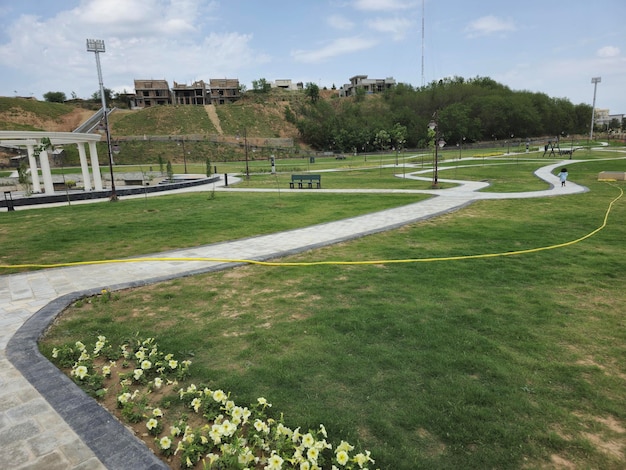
x=309, y=179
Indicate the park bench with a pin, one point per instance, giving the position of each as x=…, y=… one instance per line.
x=309, y=179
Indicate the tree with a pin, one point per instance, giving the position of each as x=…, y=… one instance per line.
x=108, y=94
x=55, y=97
x=382, y=139
x=312, y=91
x=261, y=86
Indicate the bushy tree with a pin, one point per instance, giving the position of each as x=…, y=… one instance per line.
x=55, y=97
x=312, y=91
x=261, y=86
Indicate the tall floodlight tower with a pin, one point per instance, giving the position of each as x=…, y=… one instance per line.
x=96, y=46
x=423, y=83
x=595, y=81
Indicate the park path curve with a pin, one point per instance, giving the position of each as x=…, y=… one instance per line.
x=47, y=422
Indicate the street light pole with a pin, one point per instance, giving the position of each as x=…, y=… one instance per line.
x=245, y=144
x=439, y=142
x=182, y=141
x=595, y=81
x=97, y=46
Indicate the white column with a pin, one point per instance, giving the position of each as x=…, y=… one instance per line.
x=84, y=166
x=46, y=173
x=95, y=167
x=34, y=172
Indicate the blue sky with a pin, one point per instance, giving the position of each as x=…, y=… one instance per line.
x=551, y=46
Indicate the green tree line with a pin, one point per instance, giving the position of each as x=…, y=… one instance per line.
x=469, y=110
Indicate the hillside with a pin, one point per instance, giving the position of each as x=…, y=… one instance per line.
x=32, y=115
x=148, y=135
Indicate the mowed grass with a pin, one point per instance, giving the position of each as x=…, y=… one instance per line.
x=132, y=227
x=504, y=362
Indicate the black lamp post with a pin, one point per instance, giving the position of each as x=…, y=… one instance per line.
x=182, y=142
x=439, y=142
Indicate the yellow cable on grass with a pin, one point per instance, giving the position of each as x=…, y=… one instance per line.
x=318, y=263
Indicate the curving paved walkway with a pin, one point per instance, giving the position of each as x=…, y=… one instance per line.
x=46, y=422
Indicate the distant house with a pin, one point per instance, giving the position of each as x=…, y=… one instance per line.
x=224, y=90
x=287, y=84
x=152, y=93
x=196, y=93
x=369, y=85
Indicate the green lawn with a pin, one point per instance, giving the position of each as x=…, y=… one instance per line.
x=504, y=362
x=133, y=227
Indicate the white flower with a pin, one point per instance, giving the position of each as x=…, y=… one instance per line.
x=173, y=364
x=81, y=372
x=158, y=382
x=312, y=454
x=106, y=370
x=138, y=373
x=124, y=397
x=262, y=401
x=275, y=462
x=152, y=423
x=342, y=457
x=157, y=413
x=219, y=396
x=55, y=353
x=308, y=440
x=165, y=442
x=146, y=364
x=99, y=346
x=196, y=403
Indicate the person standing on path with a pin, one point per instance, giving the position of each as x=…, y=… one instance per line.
x=563, y=176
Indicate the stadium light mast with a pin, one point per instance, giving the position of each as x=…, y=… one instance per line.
x=595, y=81
x=96, y=46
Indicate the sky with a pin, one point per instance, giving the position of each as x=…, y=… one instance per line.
x=548, y=46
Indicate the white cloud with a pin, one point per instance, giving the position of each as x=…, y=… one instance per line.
x=340, y=46
x=340, y=22
x=383, y=5
x=396, y=26
x=489, y=25
x=608, y=51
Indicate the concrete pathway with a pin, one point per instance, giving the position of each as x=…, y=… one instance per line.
x=48, y=423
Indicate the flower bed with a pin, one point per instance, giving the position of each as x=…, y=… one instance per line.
x=191, y=426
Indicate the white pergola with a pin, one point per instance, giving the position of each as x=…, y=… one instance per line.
x=32, y=139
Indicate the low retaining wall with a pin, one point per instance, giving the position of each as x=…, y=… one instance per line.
x=88, y=195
